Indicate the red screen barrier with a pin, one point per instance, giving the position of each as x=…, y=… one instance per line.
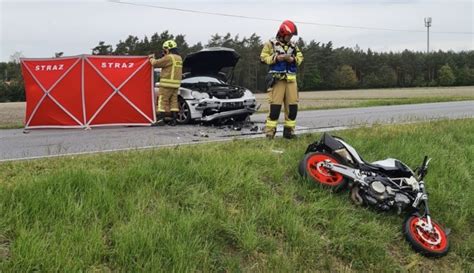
x=88, y=91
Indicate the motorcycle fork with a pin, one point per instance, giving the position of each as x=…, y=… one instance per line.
x=423, y=196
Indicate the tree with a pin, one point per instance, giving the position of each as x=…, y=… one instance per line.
x=15, y=57
x=371, y=81
x=102, y=49
x=345, y=77
x=446, y=76
x=465, y=76
x=387, y=76
x=322, y=68
x=127, y=47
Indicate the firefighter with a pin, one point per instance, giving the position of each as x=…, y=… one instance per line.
x=171, y=66
x=283, y=57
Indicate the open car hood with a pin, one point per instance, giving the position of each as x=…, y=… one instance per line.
x=210, y=61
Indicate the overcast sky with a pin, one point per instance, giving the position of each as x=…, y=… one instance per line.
x=41, y=28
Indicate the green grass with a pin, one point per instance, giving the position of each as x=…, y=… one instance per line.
x=12, y=126
x=233, y=206
x=400, y=101
x=370, y=102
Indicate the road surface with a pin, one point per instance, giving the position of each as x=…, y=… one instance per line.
x=17, y=145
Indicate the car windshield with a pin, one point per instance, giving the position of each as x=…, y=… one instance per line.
x=202, y=79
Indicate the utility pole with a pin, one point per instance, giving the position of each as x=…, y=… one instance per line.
x=428, y=25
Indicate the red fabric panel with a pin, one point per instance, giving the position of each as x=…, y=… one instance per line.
x=34, y=93
x=69, y=94
x=48, y=71
x=96, y=90
x=100, y=71
x=132, y=75
x=117, y=70
x=62, y=77
x=138, y=91
x=49, y=113
x=118, y=111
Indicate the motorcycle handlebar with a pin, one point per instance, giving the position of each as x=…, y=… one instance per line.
x=424, y=167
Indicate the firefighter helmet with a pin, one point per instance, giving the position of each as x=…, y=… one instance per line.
x=170, y=44
x=287, y=28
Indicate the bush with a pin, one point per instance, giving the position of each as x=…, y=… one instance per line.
x=345, y=77
x=419, y=81
x=3, y=92
x=371, y=81
x=387, y=76
x=12, y=91
x=446, y=76
x=465, y=76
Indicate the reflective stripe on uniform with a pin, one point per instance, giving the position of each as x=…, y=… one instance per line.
x=174, y=65
x=291, y=77
x=299, y=57
x=172, y=82
x=160, y=104
x=271, y=123
x=290, y=123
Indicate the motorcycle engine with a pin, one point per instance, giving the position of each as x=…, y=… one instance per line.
x=379, y=194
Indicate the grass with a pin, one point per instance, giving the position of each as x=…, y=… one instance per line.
x=236, y=206
x=358, y=103
x=11, y=126
x=399, y=101
x=375, y=97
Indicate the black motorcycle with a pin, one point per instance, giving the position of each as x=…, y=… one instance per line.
x=385, y=185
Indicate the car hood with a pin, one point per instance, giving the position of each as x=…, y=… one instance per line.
x=210, y=61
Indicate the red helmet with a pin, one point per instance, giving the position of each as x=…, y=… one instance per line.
x=287, y=28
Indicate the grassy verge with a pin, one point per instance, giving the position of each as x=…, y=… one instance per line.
x=12, y=126
x=237, y=206
x=321, y=104
x=384, y=102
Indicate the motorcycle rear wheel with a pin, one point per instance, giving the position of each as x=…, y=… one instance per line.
x=428, y=243
x=311, y=169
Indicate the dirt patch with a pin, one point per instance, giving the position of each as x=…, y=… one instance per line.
x=4, y=248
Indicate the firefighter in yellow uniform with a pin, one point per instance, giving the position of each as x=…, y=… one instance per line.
x=171, y=65
x=283, y=57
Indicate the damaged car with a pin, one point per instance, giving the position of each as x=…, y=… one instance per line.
x=206, y=93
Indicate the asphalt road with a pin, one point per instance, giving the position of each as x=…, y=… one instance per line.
x=17, y=145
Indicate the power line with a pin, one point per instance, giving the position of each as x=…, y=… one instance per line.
x=280, y=20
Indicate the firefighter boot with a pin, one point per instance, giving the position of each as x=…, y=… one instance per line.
x=160, y=119
x=289, y=133
x=173, y=120
x=270, y=132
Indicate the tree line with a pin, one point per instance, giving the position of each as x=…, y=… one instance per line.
x=325, y=67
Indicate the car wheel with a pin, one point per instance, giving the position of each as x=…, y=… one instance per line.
x=184, y=114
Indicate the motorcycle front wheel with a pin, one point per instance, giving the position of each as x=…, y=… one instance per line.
x=311, y=168
x=430, y=243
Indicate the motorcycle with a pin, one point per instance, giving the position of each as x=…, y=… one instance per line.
x=385, y=185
